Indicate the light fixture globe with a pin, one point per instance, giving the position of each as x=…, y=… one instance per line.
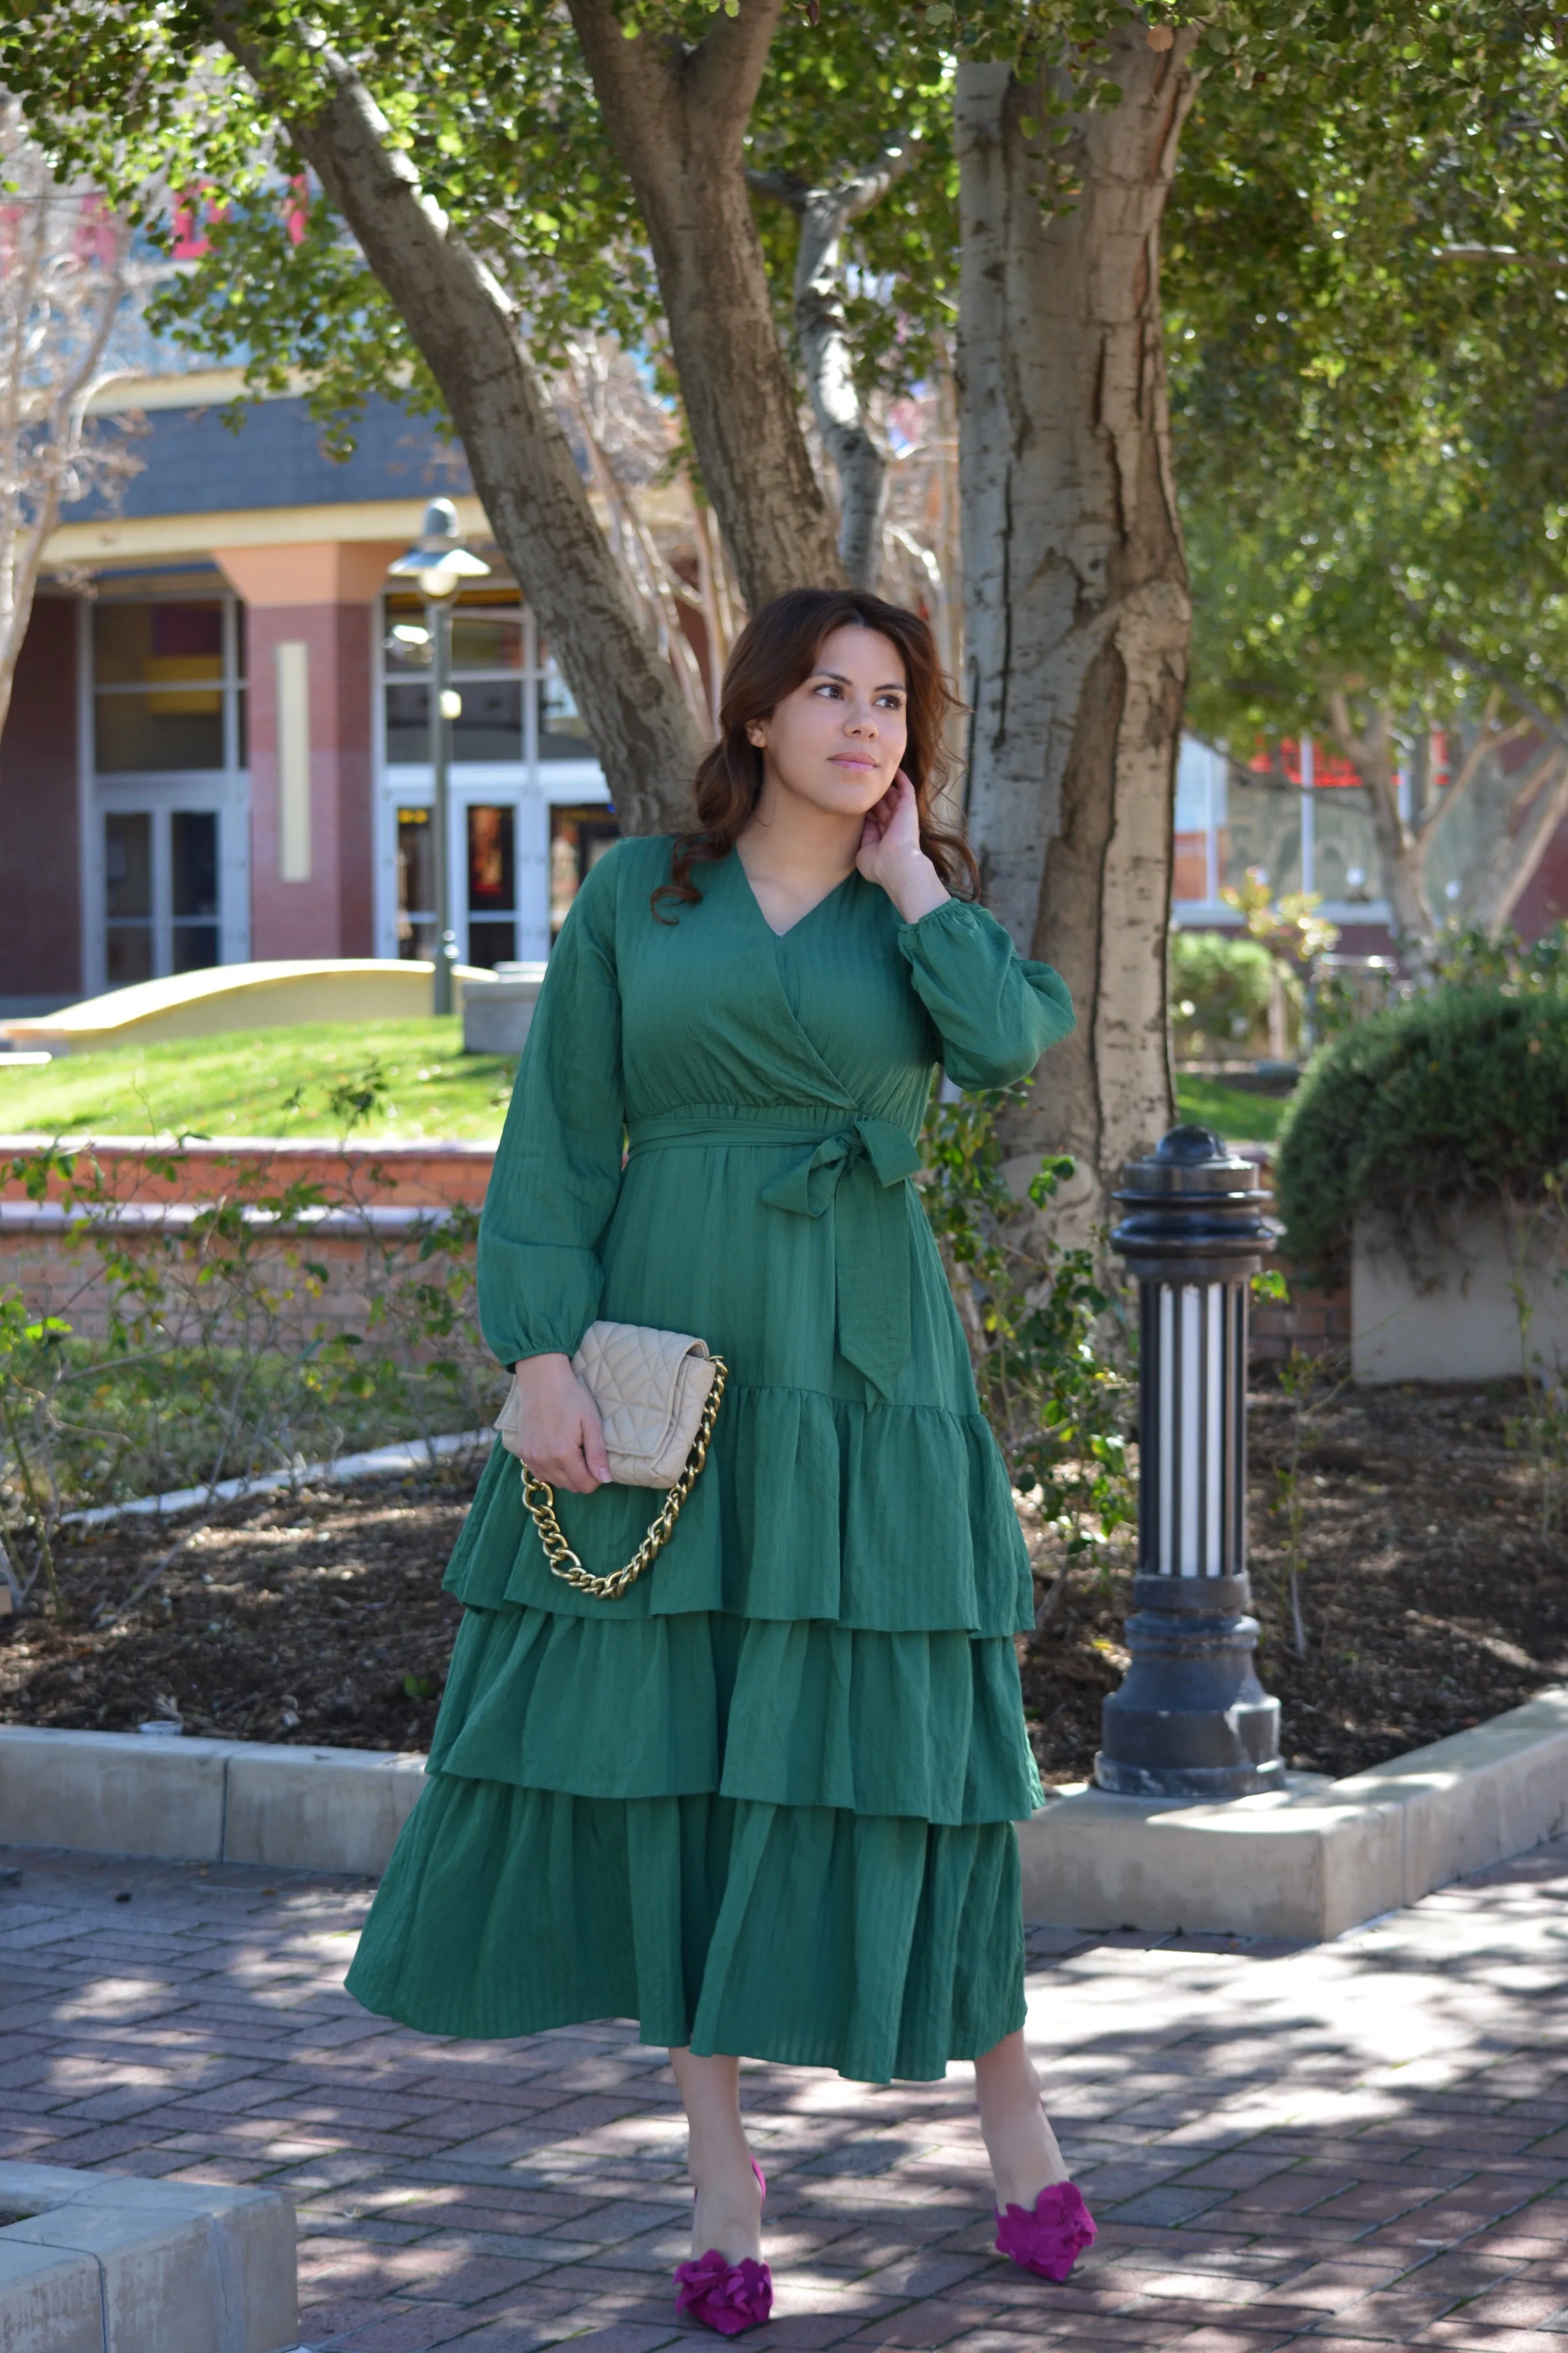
x=438, y=564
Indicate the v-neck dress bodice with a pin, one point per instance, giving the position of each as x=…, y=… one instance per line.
x=762, y=1803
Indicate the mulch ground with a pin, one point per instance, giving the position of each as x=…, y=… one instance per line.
x=1429, y=1598
x=1429, y=1595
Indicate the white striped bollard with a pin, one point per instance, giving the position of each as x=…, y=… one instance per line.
x=1190, y=1719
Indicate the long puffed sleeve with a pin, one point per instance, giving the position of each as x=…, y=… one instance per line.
x=558, y=1166
x=994, y=1011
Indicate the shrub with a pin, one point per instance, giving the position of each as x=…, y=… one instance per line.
x=1461, y=1093
x=1032, y=1312
x=1219, y=994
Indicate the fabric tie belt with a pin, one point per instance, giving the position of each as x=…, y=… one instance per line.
x=860, y=1169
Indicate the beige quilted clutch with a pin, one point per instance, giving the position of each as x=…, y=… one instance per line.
x=657, y=1393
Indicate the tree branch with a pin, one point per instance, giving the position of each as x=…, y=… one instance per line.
x=467, y=331
x=677, y=120
x=857, y=450
x=1459, y=652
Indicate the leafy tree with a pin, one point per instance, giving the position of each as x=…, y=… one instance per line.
x=1370, y=382
x=509, y=171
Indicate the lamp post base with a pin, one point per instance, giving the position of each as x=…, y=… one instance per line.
x=1190, y=1719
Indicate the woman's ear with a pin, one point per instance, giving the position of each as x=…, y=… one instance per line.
x=757, y=734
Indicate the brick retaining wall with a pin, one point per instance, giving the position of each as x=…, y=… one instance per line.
x=395, y=1187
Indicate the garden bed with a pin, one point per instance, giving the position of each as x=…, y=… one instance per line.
x=1430, y=1599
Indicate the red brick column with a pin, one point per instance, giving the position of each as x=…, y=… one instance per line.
x=323, y=597
x=40, y=829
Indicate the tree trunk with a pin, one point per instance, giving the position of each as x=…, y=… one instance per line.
x=523, y=470
x=1077, y=613
x=1400, y=849
x=678, y=118
x=850, y=435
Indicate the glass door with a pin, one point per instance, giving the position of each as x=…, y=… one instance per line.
x=492, y=882
x=162, y=893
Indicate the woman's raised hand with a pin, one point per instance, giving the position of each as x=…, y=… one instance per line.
x=890, y=852
x=562, y=1439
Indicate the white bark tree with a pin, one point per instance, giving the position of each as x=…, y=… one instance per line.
x=1499, y=822
x=67, y=278
x=850, y=435
x=1075, y=587
x=676, y=114
x=469, y=335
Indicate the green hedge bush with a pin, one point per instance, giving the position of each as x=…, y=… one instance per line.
x=1461, y=1093
x=1219, y=995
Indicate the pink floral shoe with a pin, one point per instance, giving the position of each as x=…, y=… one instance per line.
x=1049, y=2238
x=725, y=2296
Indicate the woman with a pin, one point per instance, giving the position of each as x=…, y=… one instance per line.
x=762, y=1803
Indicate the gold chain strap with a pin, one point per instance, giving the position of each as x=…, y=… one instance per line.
x=540, y=1497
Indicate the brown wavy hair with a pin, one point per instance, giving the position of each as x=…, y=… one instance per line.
x=778, y=651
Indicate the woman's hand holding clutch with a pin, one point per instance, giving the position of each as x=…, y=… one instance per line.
x=563, y=1437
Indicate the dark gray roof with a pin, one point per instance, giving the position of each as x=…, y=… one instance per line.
x=195, y=463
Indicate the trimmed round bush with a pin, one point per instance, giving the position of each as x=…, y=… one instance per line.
x=1461, y=1094
x=1227, y=982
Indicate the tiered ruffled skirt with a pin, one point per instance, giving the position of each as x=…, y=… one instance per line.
x=763, y=1804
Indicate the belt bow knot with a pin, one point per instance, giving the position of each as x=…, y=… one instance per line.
x=860, y=1171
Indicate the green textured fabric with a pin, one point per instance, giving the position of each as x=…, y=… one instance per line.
x=764, y=1802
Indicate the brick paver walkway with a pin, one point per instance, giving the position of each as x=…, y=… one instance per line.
x=1355, y=2146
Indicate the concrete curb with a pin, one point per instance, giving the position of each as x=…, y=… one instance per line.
x=206, y=1800
x=1305, y=1863
x=413, y=1454
x=1311, y=1860
x=106, y=2263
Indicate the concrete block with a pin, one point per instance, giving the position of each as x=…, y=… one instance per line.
x=1435, y=1303
x=112, y=1793
x=175, y=2267
x=496, y=1016
x=318, y=1808
x=49, y=2300
x=1313, y=1860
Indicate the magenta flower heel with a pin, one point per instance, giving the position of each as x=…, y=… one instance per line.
x=1049, y=2238
x=725, y=2296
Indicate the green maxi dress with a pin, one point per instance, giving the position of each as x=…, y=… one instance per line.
x=763, y=1803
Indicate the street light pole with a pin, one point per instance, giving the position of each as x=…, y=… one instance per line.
x=438, y=623
x=1190, y=1719
x=437, y=568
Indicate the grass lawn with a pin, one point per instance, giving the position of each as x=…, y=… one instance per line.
x=282, y=1083
x=1234, y=1113
x=271, y=1083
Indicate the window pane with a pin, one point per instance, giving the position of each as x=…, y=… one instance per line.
x=148, y=645
x=561, y=733
x=490, y=859
x=486, y=640
x=1265, y=829
x=1344, y=851
x=127, y=864
x=491, y=942
x=128, y=955
x=196, y=946
x=137, y=732
x=194, y=839
x=416, y=882
x=407, y=723
x=578, y=838
x=490, y=726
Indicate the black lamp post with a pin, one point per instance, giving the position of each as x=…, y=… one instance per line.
x=1190, y=1719
x=437, y=568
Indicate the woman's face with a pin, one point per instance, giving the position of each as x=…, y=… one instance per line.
x=839, y=740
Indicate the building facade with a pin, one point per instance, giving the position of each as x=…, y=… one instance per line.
x=218, y=746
